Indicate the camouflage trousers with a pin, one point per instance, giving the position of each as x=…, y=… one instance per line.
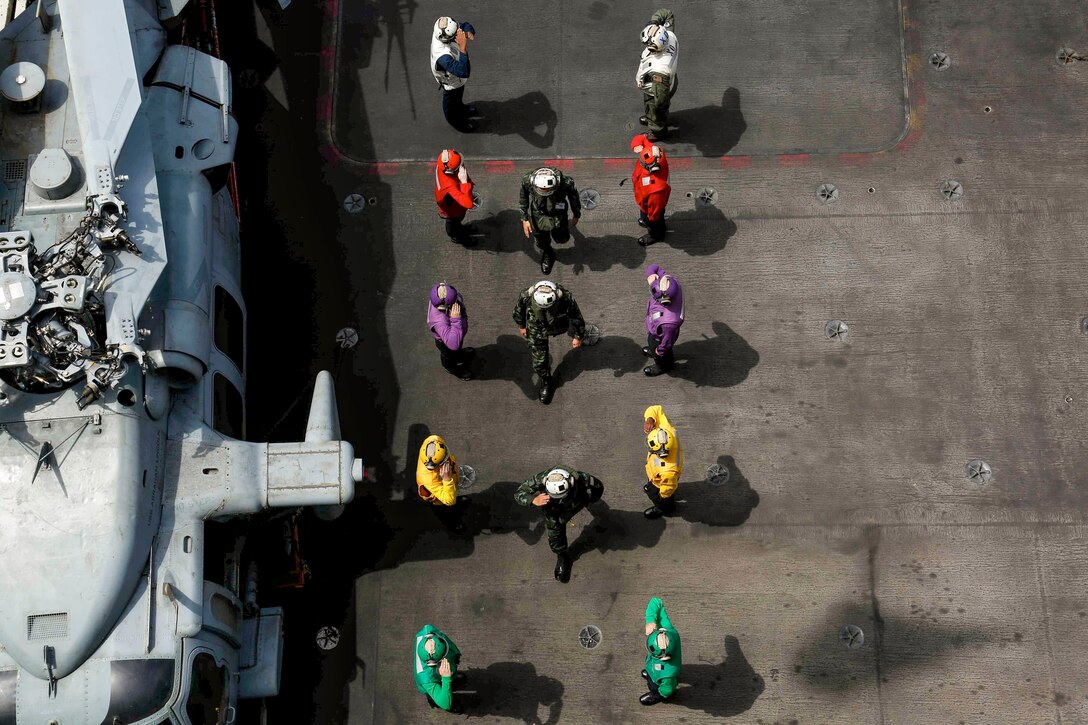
x=657, y=107
x=538, y=350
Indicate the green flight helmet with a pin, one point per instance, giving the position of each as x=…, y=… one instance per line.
x=441, y=647
x=655, y=647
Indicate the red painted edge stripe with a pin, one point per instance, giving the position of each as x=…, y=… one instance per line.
x=617, y=163
x=324, y=107
x=683, y=162
x=499, y=167
x=855, y=159
x=383, y=168
x=561, y=164
x=736, y=162
x=792, y=159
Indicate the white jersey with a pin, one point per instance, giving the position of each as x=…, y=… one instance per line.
x=438, y=49
x=662, y=62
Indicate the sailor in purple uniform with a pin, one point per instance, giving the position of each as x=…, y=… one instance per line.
x=447, y=320
x=664, y=315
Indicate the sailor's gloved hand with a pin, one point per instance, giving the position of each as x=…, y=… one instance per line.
x=462, y=174
x=455, y=310
x=445, y=670
x=576, y=343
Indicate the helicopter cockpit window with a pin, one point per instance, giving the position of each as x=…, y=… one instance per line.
x=227, y=408
x=209, y=692
x=230, y=331
x=139, y=688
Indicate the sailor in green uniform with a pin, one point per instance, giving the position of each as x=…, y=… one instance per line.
x=662, y=654
x=544, y=310
x=560, y=492
x=547, y=195
x=437, y=658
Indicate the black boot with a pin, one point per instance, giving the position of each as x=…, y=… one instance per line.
x=562, y=567
x=646, y=240
x=647, y=351
x=547, y=259
x=642, y=223
x=650, y=699
x=647, y=488
x=547, y=389
x=653, y=513
x=644, y=120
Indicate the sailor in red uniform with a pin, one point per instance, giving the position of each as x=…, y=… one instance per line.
x=651, y=180
x=453, y=193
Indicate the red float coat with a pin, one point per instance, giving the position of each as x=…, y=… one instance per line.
x=453, y=197
x=651, y=187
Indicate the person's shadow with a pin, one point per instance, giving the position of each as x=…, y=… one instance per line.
x=600, y=253
x=713, y=130
x=615, y=530
x=730, y=504
x=512, y=690
x=721, y=361
x=721, y=690
x=699, y=231
x=507, y=358
x=621, y=355
x=529, y=116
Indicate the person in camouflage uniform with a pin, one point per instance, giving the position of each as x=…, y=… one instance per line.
x=543, y=311
x=656, y=76
x=561, y=492
x=546, y=196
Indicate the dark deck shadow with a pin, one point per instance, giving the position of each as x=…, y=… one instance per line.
x=713, y=130
x=621, y=355
x=529, y=116
x=721, y=361
x=722, y=690
x=506, y=359
x=600, y=253
x=615, y=530
x=699, y=231
x=501, y=234
x=730, y=504
x=513, y=690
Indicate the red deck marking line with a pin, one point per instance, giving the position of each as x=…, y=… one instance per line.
x=736, y=162
x=331, y=154
x=328, y=59
x=324, y=107
x=618, y=163
x=499, y=167
x=561, y=164
x=855, y=159
x=792, y=159
x=383, y=168
x=910, y=140
x=331, y=8
x=684, y=162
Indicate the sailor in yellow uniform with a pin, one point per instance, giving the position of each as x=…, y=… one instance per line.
x=664, y=462
x=437, y=477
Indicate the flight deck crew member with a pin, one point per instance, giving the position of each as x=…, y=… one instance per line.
x=454, y=196
x=651, y=181
x=664, y=316
x=656, y=76
x=437, y=658
x=560, y=493
x=664, y=462
x=546, y=196
x=447, y=319
x=543, y=311
x=437, y=477
x=450, y=67
x=663, y=660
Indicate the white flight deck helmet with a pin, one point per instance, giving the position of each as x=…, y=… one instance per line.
x=655, y=37
x=545, y=293
x=557, y=482
x=544, y=181
x=445, y=29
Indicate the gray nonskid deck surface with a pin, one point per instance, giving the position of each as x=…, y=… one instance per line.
x=848, y=500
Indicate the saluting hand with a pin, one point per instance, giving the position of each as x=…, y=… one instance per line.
x=462, y=174
x=523, y=331
x=648, y=426
x=541, y=499
x=444, y=668
x=455, y=310
x=462, y=40
x=576, y=343
x=446, y=470
x=650, y=627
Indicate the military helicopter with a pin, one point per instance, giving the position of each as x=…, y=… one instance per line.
x=122, y=361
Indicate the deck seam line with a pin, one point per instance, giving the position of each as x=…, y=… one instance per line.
x=1043, y=597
